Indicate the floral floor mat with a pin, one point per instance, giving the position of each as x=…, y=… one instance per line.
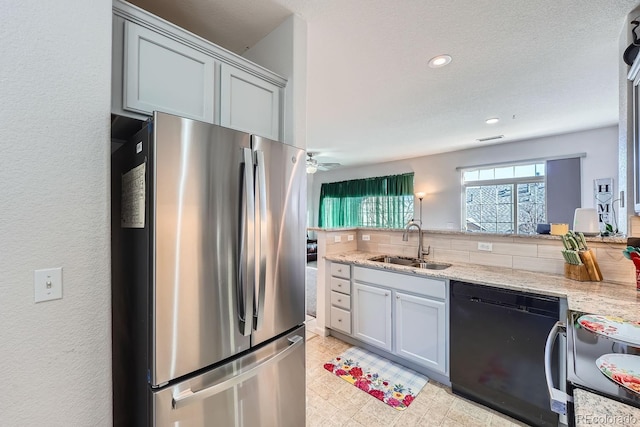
x=389, y=382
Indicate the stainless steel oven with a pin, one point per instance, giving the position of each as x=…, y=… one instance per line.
x=583, y=348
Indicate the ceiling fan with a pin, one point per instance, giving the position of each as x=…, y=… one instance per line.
x=313, y=166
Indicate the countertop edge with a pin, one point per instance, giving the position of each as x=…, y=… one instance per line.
x=605, y=298
x=596, y=239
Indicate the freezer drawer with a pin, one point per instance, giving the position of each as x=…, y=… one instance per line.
x=263, y=388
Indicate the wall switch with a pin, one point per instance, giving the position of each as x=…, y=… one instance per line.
x=350, y=237
x=366, y=237
x=484, y=246
x=48, y=284
x=337, y=239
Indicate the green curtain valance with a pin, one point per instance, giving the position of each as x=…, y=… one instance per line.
x=392, y=185
x=382, y=200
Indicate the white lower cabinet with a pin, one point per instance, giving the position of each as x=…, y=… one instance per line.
x=372, y=315
x=340, y=285
x=420, y=330
x=406, y=315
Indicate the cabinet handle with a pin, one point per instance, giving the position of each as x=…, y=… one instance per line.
x=339, y=285
x=339, y=320
x=397, y=296
x=386, y=294
x=339, y=300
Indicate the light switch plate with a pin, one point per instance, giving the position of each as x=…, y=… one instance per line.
x=350, y=237
x=337, y=239
x=48, y=284
x=366, y=237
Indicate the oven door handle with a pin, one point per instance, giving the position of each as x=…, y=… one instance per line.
x=558, y=398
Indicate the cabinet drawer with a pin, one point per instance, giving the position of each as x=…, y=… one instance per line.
x=340, y=285
x=341, y=320
x=341, y=270
x=341, y=300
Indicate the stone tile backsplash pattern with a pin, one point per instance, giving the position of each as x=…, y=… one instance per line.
x=529, y=253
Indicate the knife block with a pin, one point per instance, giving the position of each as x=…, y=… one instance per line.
x=576, y=272
x=588, y=271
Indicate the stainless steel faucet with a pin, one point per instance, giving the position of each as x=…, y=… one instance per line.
x=405, y=237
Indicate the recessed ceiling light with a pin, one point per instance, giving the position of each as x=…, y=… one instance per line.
x=492, y=120
x=439, y=61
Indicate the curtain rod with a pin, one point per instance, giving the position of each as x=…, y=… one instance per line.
x=515, y=162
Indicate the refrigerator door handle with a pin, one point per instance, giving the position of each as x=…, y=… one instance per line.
x=261, y=188
x=246, y=275
x=188, y=396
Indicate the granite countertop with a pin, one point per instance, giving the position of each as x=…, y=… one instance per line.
x=592, y=409
x=605, y=298
x=592, y=297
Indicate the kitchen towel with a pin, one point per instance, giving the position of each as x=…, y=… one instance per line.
x=389, y=382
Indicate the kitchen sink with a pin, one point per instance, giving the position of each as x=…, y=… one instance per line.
x=433, y=265
x=410, y=262
x=395, y=260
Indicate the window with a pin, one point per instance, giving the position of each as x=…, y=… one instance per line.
x=504, y=199
x=385, y=202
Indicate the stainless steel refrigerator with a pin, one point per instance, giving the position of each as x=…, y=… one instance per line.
x=208, y=264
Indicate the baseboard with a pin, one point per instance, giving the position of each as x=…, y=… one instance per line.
x=311, y=325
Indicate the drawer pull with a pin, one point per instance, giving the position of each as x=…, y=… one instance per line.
x=339, y=320
x=339, y=270
x=339, y=285
x=339, y=300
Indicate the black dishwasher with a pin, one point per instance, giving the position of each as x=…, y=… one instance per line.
x=497, y=349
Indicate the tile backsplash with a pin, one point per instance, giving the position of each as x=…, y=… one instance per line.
x=522, y=253
x=634, y=225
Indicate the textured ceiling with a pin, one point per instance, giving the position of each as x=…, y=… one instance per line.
x=543, y=67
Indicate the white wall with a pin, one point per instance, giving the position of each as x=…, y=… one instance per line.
x=437, y=175
x=54, y=211
x=284, y=51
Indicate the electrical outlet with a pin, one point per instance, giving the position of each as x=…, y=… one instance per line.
x=350, y=237
x=337, y=239
x=484, y=246
x=366, y=237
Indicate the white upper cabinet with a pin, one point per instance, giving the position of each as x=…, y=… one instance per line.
x=158, y=66
x=164, y=75
x=248, y=103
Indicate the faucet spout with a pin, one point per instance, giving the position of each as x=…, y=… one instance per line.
x=405, y=237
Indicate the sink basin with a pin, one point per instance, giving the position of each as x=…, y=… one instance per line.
x=395, y=260
x=410, y=262
x=433, y=265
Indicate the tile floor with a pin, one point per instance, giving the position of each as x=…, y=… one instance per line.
x=332, y=401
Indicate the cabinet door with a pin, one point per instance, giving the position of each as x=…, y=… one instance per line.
x=161, y=74
x=248, y=103
x=420, y=330
x=372, y=315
